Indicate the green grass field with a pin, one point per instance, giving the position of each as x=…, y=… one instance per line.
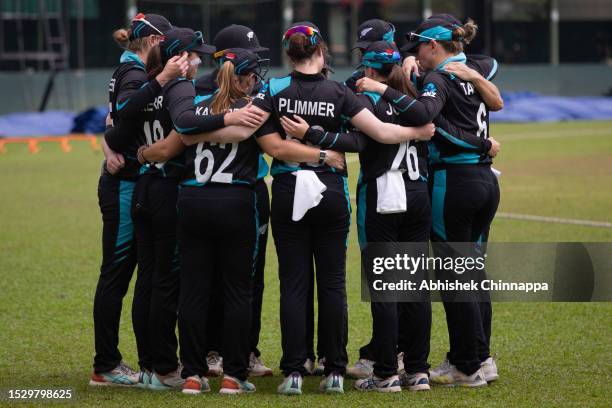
x=550, y=354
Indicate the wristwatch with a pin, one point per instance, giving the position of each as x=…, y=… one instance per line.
x=322, y=156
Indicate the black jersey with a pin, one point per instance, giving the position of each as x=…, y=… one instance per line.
x=445, y=96
x=131, y=99
x=226, y=163
x=158, y=129
x=376, y=158
x=321, y=102
x=206, y=86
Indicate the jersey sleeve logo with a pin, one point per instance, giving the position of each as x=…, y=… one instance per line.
x=262, y=92
x=430, y=89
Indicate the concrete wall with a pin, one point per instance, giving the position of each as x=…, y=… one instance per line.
x=77, y=91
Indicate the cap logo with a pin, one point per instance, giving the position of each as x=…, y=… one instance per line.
x=250, y=35
x=365, y=31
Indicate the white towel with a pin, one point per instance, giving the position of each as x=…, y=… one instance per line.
x=391, y=193
x=496, y=172
x=308, y=193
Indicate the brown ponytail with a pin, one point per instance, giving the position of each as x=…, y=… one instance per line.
x=300, y=48
x=154, y=62
x=461, y=35
x=122, y=38
x=397, y=80
x=229, y=89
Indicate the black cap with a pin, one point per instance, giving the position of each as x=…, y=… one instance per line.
x=432, y=28
x=144, y=25
x=179, y=40
x=245, y=61
x=449, y=18
x=237, y=36
x=374, y=30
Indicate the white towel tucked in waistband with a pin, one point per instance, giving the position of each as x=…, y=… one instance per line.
x=308, y=193
x=391, y=193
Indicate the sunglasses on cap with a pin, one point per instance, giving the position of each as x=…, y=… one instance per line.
x=308, y=31
x=140, y=17
x=414, y=37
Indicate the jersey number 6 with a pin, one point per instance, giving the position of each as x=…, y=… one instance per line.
x=219, y=176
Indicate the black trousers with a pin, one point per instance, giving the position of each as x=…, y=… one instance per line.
x=118, y=263
x=321, y=235
x=217, y=235
x=157, y=284
x=414, y=318
x=215, y=315
x=464, y=201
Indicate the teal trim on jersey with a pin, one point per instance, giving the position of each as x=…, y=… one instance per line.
x=125, y=230
x=454, y=140
x=373, y=96
x=256, y=249
x=493, y=70
x=184, y=130
x=462, y=158
x=334, y=142
x=348, y=203
x=119, y=106
x=438, y=33
x=143, y=169
x=192, y=183
x=455, y=58
x=322, y=139
x=280, y=168
x=434, y=153
x=200, y=98
x=262, y=168
x=437, y=204
x=361, y=211
x=399, y=99
x=407, y=107
x=279, y=84
x=129, y=56
x=238, y=181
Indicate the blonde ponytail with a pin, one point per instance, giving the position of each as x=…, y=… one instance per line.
x=229, y=89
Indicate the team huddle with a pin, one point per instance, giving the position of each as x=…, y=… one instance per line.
x=183, y=196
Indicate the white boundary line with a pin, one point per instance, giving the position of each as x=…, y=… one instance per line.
x=556, y=220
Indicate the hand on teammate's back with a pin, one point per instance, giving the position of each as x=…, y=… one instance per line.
x=295, y=127
x=175, y=67
x=366, y=84
x=248, y=116
x=461, y=71
x=335, y=160
x=495, y=147
x=425, y=132
x=114, y=162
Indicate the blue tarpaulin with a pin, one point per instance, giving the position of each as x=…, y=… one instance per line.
x=531, y=107
x=28, y=124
